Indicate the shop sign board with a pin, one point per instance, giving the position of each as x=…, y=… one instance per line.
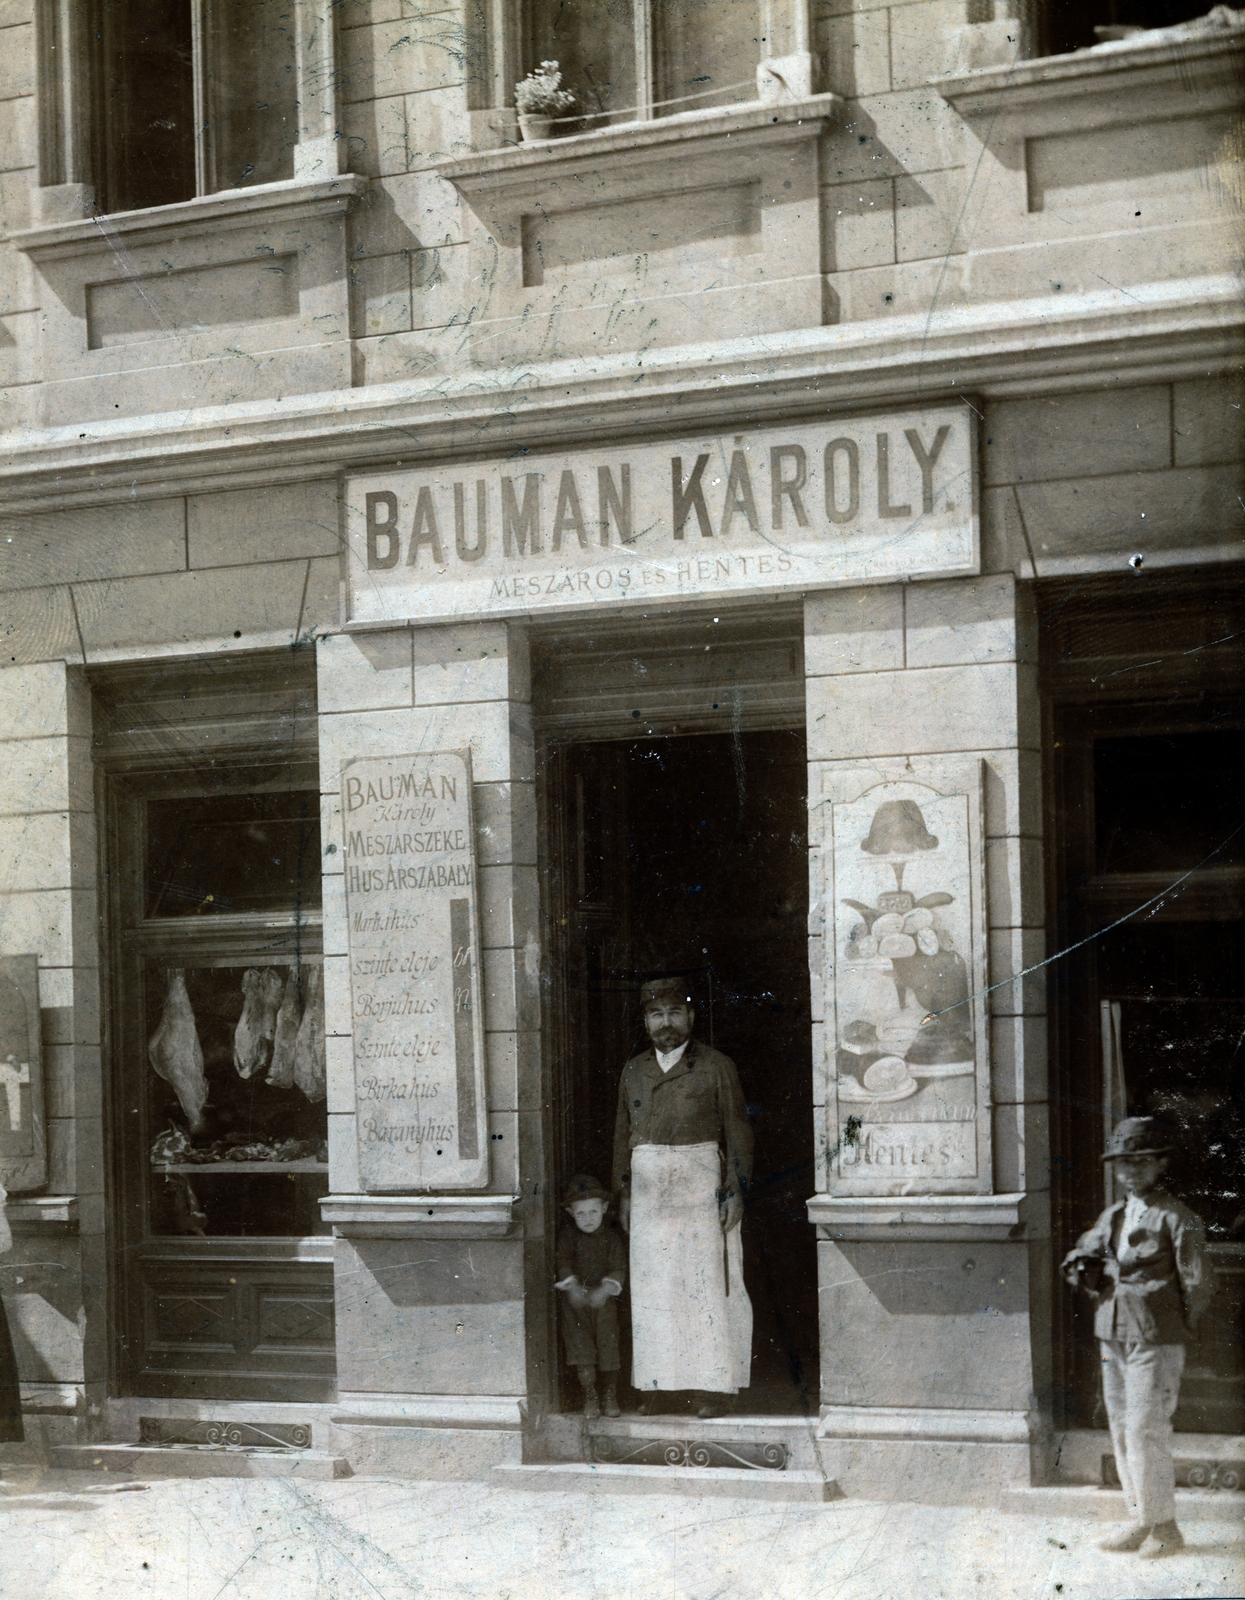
x=412, y=918
x=807, y=506
x=906, y=1037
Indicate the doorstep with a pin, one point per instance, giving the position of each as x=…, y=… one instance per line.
x=569, y=1437
x=199, y=1461
x=589, y=1477
x=1107, y=1505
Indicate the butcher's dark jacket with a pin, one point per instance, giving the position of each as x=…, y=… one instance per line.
x=698, y=1101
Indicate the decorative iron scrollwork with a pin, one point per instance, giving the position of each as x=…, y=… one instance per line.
x=224, y=1435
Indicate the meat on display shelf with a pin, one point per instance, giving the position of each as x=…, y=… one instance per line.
x=305, y=1165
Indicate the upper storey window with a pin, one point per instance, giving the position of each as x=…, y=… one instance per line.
x=630, y=60
x=194, y=96
x=1069, y=25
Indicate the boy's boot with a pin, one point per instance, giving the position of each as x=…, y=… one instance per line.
x=588, y=1381
x=1163, y=1539
x=609, y=1395
x=1128, y=1538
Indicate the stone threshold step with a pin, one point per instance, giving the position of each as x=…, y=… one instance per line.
x=173, y=1461
x=579, y=1477
x=1107, y=1505
x=632, y=1425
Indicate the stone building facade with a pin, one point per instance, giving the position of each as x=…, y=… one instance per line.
x=878, y=218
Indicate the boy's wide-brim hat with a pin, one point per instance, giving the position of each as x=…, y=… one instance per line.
x=898, y=829
x=1138, y=1136
x=583, y=1186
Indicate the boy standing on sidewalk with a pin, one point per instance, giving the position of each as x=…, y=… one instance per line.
x=1144, y=1265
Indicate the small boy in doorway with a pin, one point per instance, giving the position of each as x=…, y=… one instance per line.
x=1144, y=1266
x=592, y=1269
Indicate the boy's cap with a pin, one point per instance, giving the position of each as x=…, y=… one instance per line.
x=584, y=1187
x=675, y=989
x=1138, y=1136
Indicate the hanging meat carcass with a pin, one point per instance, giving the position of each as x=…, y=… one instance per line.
x=262, y=990
x=248, y=1045
x=176, y=1054
x=309, y=1073
x=289, y=1017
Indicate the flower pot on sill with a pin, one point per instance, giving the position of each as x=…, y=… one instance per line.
x=536, y=128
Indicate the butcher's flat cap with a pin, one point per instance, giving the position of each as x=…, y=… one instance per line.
x=668, y=989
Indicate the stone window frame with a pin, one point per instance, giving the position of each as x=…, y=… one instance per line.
x=67, y=100
x=790, y=72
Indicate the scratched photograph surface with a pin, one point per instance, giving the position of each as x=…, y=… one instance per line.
x=622, y=864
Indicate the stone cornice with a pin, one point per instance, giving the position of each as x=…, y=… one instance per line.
x=856, y=1218
x=420, y=1216
x=1149, y=332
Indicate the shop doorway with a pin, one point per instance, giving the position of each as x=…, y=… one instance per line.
x=689, y=854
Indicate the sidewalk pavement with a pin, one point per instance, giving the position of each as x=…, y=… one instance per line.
x=72, y=1536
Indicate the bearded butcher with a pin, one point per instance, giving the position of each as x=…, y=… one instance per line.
x=682, y=1164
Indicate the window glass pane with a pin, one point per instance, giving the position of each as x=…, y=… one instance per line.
x=1070, y=24
x=1162, y=804
x=1181, y=988
x=231, y=853
x=147, y=107
x=701, y=48
x=234, y=1155
x=593, y=42
x=251, y=89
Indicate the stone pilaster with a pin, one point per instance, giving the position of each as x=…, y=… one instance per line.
x=54, y=1283
x=439, y=1337
x=935, y=1309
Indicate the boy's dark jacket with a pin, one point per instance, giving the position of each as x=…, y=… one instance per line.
x=1156, y=1281
x=591, y=1256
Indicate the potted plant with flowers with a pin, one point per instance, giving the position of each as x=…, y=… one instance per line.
x=539, y=99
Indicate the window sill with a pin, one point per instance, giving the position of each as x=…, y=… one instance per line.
x=290, y=201
x=687, y=134
x=1128, y=66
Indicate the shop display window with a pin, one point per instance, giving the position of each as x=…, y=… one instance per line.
x=221, y=1276
x=234, y=1091
x=1148, y=1003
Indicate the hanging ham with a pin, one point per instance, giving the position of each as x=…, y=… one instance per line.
x=309, y=1046
x=289, y=1016
x=176, y=1054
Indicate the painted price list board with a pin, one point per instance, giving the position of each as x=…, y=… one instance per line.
x=412, y=917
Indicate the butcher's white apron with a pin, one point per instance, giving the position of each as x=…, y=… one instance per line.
x=688, y=1332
